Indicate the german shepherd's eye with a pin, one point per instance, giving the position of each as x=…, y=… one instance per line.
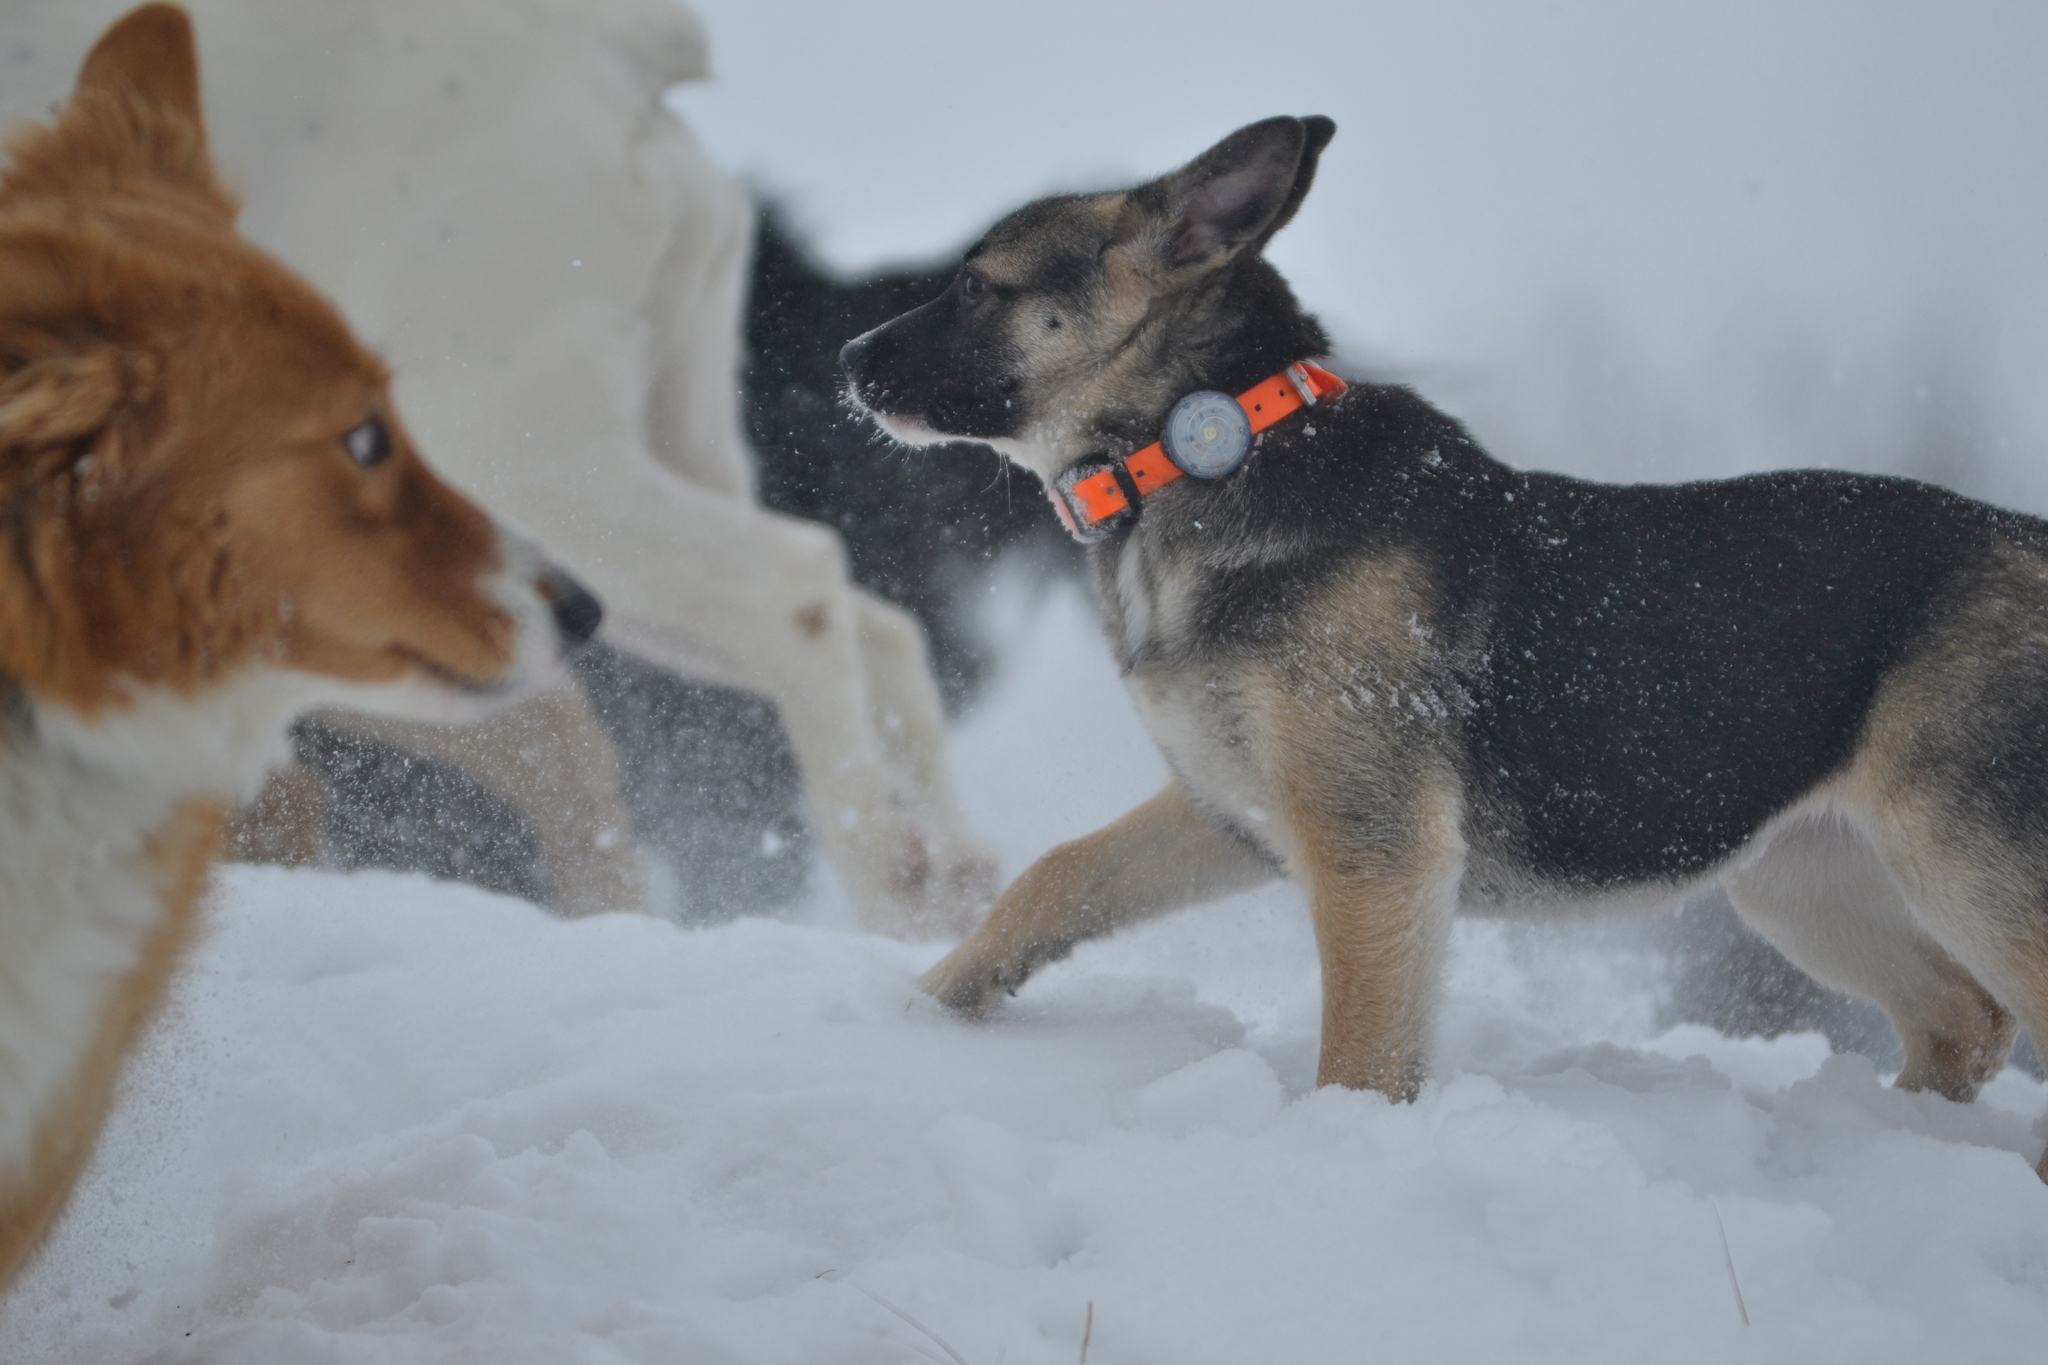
x=970, y=286
x=368, y=445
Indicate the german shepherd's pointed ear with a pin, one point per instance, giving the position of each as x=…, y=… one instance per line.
x=1240, y=192
x=133, y=117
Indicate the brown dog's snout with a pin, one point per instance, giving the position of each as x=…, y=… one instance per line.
x=576, y=609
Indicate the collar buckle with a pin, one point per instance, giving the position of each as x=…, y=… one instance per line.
x=1091, y=506
x=1298, y=377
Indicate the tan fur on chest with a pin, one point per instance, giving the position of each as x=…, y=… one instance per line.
x=1334, y=711
x=174, y=861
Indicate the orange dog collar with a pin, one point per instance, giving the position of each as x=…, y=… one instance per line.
x=1204, y=438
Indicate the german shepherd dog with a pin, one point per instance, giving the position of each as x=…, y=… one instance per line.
x=1416, y=680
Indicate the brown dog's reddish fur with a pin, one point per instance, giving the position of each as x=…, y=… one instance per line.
x=169, y=402
x=177, y=509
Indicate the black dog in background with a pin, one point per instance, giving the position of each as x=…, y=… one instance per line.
x=710, y=779
x=923, y=528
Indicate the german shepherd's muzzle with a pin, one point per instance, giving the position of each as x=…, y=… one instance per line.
x=972, y=393
x=1416, y=680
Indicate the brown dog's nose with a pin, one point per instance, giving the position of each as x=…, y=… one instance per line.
x=576, y=609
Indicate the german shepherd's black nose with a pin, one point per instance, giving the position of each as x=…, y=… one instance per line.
x=856, y=360
x=850, y=356
x=576, y=609
x=874, y=364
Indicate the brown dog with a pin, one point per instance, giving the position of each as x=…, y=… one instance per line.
x=213, y=520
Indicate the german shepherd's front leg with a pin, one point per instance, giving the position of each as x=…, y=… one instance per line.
x=1161, y=856
x=1382, y=897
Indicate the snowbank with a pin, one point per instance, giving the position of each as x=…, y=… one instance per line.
x=393, y=1120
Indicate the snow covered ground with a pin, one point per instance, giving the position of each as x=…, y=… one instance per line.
x=389, y=1120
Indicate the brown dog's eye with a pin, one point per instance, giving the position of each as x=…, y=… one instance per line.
x=369, y=444
x=970, y=287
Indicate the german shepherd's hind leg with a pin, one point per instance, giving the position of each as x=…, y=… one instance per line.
x=1951, y=782
x=1163, y=855
x=1980, y=886
x=1986, y=900
x=1821, y=895
x=1382, y=909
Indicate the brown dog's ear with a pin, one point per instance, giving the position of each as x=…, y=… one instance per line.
x=1240, y=192
x=68, y=417
x=148, y=54
x=134, y=115
x=61, y=398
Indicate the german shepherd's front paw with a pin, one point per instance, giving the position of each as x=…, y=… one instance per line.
x=969, y=982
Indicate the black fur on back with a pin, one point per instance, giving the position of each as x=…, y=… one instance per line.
x=1649, y=673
